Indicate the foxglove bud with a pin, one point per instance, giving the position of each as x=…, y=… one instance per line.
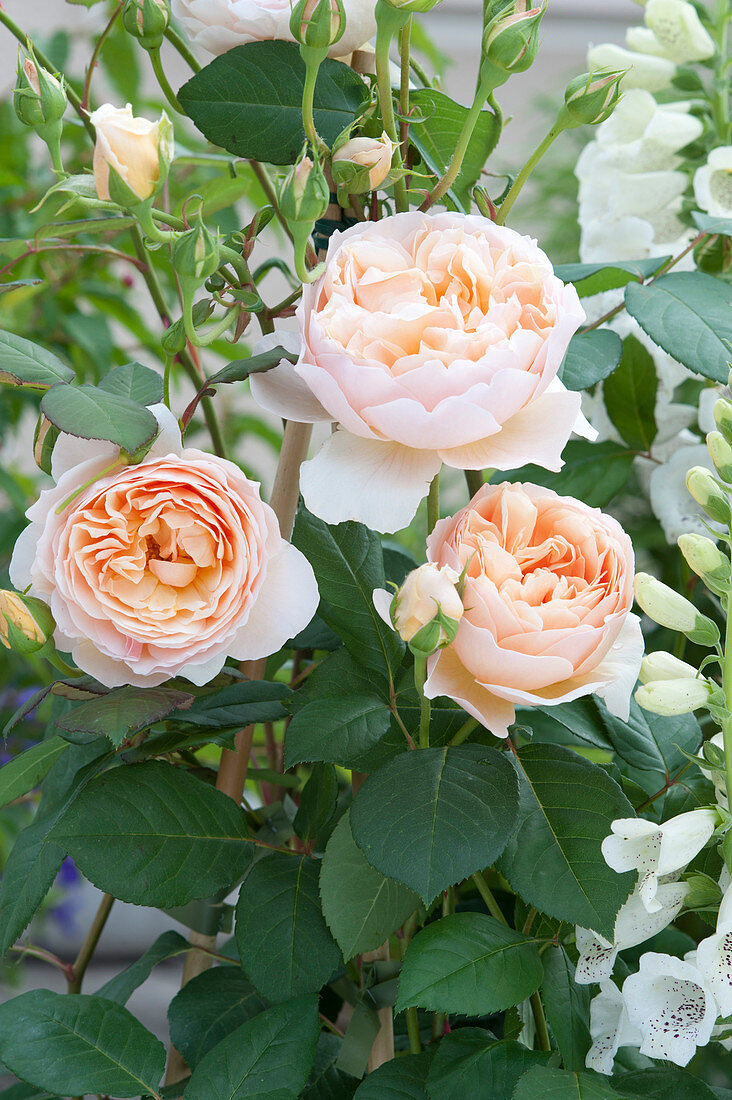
x=590, y=99
x=196, y=254
x=363, y=163
x=510, y=42
x=318, y=24
x=704, y=557
x=721, y=453
x=147, y=20
x=305, y=193
x=39, y=97
x=427, y=608
x=668, y=608
x=131, y=155
x=673, y=697
x=707, y=493
x=723, y=418
x=26, y=624
x=664, y=666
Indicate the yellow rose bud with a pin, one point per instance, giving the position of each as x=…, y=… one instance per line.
x=363, y=163
x=131, y=155
x=26, y=623
x=426, y=592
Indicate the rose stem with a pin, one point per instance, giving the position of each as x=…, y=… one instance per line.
x=95, y=55
x=177, y=42
x=517, y=185
x=162, y=80
x=78, y=970
x=485, y=89
x=389, y=21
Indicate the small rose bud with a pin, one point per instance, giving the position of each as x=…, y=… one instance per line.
x=721, y=454
x=131, y=155
x=409, y=6
x=664, y=666
x=39, y=97
x=26, y=624
x=363, y=163
x=196, y=254
x=673, y=697
x=147, y=20
x=590, y=99
x=704, y=557
x=668, y=608
x=305, y=193
x=510, y=41
x=428, y=607
x=707, y=493
x=318, y=24
x=723, y=418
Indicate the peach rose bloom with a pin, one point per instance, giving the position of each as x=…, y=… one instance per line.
x=219, y=25
x=429, y=338
x=132, y=146
x=160, y=569
x=548, y=592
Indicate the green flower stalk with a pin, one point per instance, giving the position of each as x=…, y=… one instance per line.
x=40, y=101
x=304, y=199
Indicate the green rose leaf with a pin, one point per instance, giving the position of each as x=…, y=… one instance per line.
x=132, y=380
x=594, y=278
x=121, y=987
x=591, y=356
x=123, y=712
x=435, y=139
x=24, y=772
x=630, y=396
x=559, y=1084
x=210, y=1007
x=23, y=363
x=470, y=1063
x=90, y=413
x=567, y=1007
x=578, y=477
x=401, y=1079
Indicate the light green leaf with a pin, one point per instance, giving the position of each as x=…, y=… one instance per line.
x=90, y=413
x=24, y=772
x=591, y=356
x=469, y=1063
x=132, y=380
x=594, y=278
x=361, y=906
x=79, y=1044
x=630, y=395
x=210, y=1007
x=469, y=963
x=23, y=363
x=123, y=712
x=121, y=987
x=460, y=813
x=435, y=138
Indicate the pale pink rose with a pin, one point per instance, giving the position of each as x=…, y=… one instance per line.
x=429, y=338
x=132, y=146
x=548, y=592
x=219, y=25
x=160, y=569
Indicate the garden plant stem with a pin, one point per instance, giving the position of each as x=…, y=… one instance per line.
x=90, y=943
x=95, y=55
x=163, y=81
x=389, y=22
x=446, y=181
x=517, y=186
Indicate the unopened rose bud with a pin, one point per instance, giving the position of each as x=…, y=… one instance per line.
x=590, y=99
x=723, y=417
x=707, y=493
x=668, y=608
x=305, y=193
x=418, y=6
x=704, y=557
x=679, y=30
x=721, y=454
x=673, y=697
x=39, y=97
x=664, y=666
x=131, y=155
x=147, y=20
x=363, y=163
x=427, y=608
x=196, y=254
x=318, y=24
x=510, y=42
x=26, y=624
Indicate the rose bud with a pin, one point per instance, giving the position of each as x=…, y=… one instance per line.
x=668, y=608
x=705, y=558
x=590, y=99
x=426, y=610
x=305, y=193
x=673, y=697
x=26, y=624
x=510, y=42
x=196, y=254
x=147, y=20
x=131, y=155
x=363, y=163
x=707, y=493
x=318, y=24
x=409, y=6
x=721, y=453
x=40, y=100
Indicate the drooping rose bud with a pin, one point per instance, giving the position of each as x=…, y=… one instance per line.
x=305, y=193
x=707, y=493
x=668, y=608
x=147, y=21
x=131, y=156
x=704, y=557
x=664, y=666
x=427, y=609
x=318, y=24
x=26, y=623
x=510, y=42
x=721, y=454
x=590, y=99
x=40, y=101
x=363, y=163
x=673, y=697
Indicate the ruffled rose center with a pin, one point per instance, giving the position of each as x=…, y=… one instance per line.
x=442, y=295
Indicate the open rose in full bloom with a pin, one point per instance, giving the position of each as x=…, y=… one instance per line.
x=219, y=25
x=548, y=592
x=160, y=569
x=429, y=338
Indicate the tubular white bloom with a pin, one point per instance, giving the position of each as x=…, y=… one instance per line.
x=672, y=1005
x=713, y=183
x=673, y=505
x=633, y=925
x=644, y=70
x=610, y=1029
x=656, y=850
x=714, y=957
x=647, y=134
x=673, y=697
x=679, y=30
x=663, y=666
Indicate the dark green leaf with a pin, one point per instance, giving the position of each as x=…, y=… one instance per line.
x=90, y=413
x=400, y=1079
x=554, y=860
x=650, y=745
x=559, y=1084
x=567, y=1007
x=123, y=712
x=468, y=963
x=79, y=1044
x=210, y=1007
x=123, y=985
x=595, y=278
x=284, y=943
x=689, y=315
x=663, y=1084
x=317, y=803
x=24, y=772
x=630, y=395
x=348, y=564
x=237, y=705
x=469, y=1064
x=326, y=1081
x=134, y=381
x=435, y=139
x=267, y=1058
x=171, y=838
x=591, y=356
x=578, y=722
x=249, y=101
x=25, y=364
x=460, y=813
x=240, y=369
x=361, y=906
x=592, y=472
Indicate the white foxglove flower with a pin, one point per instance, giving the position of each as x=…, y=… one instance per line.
x=673, y=697
x=714, y=957
x=672, y=1005
x=679, y=30
x=633, y=925
x=673, y=505
x=644, y=71
x=610, y=1029
x=713, y=183
x=663, y=666
x=647, y=134
x=656, y=850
